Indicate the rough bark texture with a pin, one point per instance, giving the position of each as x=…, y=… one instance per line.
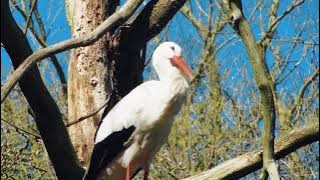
x=252, y=161
x=47, y=115
x=153, y=18
x=89, y=81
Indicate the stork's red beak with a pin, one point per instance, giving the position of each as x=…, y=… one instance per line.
x=180, y=63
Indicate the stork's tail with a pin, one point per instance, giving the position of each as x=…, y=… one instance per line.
x=106, y=150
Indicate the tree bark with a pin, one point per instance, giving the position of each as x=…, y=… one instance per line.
x=48, y=117
x=89, y=74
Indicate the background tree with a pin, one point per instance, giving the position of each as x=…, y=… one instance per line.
x=254, y=62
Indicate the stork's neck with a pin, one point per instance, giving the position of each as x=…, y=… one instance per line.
x=170, y=75
x=176, y=82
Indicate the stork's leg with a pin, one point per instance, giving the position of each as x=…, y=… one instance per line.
x=128, y=172
x=146, y=172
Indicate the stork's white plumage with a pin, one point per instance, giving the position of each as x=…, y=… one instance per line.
x=135, y=129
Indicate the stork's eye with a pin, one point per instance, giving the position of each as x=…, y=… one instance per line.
x=172, y=47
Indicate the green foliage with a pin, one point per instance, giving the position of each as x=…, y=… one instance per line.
x=22, y=155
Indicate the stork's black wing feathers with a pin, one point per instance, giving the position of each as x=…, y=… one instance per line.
x=105, y=151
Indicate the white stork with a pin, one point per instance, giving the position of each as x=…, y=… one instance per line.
x=135, y=129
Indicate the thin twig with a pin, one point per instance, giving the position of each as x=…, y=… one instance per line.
x=186, y=11
x=275, y=23
x=30, y=16
x=37, y=136
x=88, y=115
x=303, y=89
x=254, y=10
x=41, y=40
x=278, y=80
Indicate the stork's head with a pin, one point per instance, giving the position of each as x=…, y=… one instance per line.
x=167, y=61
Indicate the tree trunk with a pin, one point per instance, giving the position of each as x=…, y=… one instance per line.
x=89, y=81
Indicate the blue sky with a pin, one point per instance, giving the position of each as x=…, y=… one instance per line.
x=53, y=16
x=53, y=13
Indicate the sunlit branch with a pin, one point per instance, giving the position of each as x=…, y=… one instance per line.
x=276, y=21
x=252, y=161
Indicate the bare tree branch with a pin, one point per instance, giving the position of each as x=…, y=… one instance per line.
x=208, y=34
x=43, y=44
x=256, y=53
x=40, y=23
x=274, y=22
x=153, y=18
x=34, y=4
x=273, y=14
x=252, y=161
x=37, y=136
x=202, y=30
x=303, y=89
x=115, y=19
x=88, y=115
